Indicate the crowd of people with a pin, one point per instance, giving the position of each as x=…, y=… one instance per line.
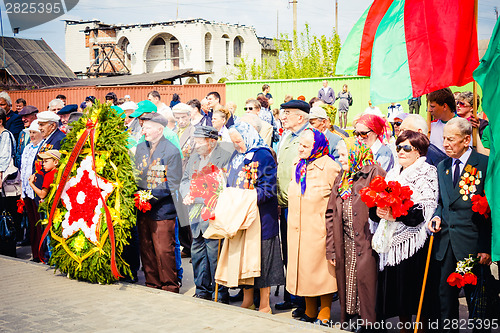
x=300, y=177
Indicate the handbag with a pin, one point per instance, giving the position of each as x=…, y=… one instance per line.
x=382, y=239
x=7, y=228
x=11, y=183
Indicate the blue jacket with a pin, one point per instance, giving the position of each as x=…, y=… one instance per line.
x=266, y=186
x=161, y=173
x=14, y=124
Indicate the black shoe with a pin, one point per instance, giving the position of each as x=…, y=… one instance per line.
x=307, y=319
x=236, y=298
x=320, y=322
x=285, y=305
x=223, y=300
x=335, y=297
x=298, y=312
x=207, y=297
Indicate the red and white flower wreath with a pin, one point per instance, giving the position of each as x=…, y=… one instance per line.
x=83, y=202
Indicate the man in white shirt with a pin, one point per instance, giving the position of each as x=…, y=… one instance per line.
x=442, y=107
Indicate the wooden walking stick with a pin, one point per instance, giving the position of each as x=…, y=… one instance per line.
x=216, y=284
x=419, y=312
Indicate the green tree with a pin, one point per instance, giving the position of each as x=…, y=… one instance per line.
x=312, y=56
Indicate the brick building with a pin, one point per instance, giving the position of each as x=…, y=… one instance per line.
x=94, y=48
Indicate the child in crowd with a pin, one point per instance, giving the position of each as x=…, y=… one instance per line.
x=50, y=160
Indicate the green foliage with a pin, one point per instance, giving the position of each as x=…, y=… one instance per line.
x=110, y=151
x=307, y=56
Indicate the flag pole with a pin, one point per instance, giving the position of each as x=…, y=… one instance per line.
x=216, y=296
x=474, y=92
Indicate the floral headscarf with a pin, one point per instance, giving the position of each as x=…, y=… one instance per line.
x=251, y=138
x=359, y=155
x=320, y=148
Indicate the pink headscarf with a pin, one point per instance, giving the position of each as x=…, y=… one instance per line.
x=377, y=124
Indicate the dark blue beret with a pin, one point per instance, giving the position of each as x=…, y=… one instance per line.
x=296, y=104
x=70, y=108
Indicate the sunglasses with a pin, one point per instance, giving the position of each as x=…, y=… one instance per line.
x=462, y=103
x=250, y=108
x=406, y=148
x=364, y=135
x=397, y=123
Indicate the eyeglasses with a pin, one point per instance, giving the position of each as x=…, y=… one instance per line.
x=250, y=108
x=406, y=148
x=397, y=123
x=364, y=135
x=462, y=103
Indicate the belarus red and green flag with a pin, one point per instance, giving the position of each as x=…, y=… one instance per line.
x=488, y=77
x=412, y=47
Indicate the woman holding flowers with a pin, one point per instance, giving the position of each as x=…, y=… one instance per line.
x=252, y=166
x=402, y=255
x=309, y=273
x=348, y=239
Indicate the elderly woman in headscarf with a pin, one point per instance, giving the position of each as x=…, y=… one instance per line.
x=349, y=232
x=309, y=273
x=370, y=130
x=253, y=157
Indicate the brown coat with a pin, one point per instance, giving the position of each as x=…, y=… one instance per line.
x=366, y=263
x=308, y=272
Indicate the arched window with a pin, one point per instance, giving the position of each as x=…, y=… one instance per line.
x=237, y=47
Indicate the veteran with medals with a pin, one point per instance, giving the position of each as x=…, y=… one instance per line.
x=160, y=170
x=459, y=231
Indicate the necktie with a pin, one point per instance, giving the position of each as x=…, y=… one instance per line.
x=456, y=173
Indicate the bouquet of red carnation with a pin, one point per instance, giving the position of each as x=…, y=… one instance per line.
x=462, y=274
x=141, y=200
x=480, y=205
x=20, y=206
x=387, y=195
x=206, y=184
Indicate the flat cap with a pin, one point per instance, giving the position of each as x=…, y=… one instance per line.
x=317, y=112
x=47, y=116
x=70, y=108
x=155, y=117
x=181, y=108
x=206, y=132
x=296, y=104
x=145, y=106
x=53, y=153
x=28, y=109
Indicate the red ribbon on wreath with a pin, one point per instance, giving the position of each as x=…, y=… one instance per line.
x=89, y=132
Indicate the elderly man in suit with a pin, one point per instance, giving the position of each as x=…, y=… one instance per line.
x=159, y=164
x=320, y=121
x=459, y=231
x=184, y=129
x=207, y=152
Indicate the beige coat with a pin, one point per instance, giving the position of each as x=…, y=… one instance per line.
x=237, y=220
x=266, y=132
x=309, y=273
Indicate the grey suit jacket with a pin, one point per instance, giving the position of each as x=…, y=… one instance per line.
x=220, y=158
x=329, y=97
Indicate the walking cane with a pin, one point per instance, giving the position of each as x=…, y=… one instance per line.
x=431, y=240
x=216, y=284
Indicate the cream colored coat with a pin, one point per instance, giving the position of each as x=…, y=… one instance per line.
x=309, y=273
x=237, y=220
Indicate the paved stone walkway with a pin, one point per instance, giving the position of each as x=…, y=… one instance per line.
x=34, y=299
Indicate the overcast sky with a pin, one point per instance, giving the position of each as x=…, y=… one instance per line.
x=261, y=14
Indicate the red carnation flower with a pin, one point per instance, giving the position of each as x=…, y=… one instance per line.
x=455, y=280
x=470, y=278
x=480, y=205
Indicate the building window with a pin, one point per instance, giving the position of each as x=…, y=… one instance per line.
x=96, y=56
x=227, y=52
x=237, y=46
